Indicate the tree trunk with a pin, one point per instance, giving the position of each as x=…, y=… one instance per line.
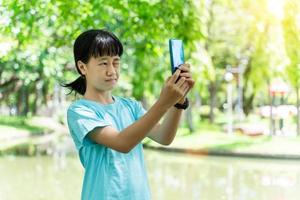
x=189, y=119
x=26, y=100
x=212, y=92
x=20, y=100
x=298, y=111
x=23, y=101
x=198, y=104
x=45, y=92
x=35, y=100
x=248, y=104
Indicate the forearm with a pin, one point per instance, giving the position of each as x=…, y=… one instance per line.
x=137, y=131
x=169, y=126
x=129, y=137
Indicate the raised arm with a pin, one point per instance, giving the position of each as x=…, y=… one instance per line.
x=128, y=138
x=165, y=133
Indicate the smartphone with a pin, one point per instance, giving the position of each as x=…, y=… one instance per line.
x=176, y=53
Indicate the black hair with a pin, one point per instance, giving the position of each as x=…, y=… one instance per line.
x=92, y=43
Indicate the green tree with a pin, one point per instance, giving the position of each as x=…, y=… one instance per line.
x=41, y=34
x=291, y=28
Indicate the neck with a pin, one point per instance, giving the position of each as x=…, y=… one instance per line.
x=102, y=97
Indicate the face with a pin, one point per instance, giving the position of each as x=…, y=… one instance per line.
x=102, y=73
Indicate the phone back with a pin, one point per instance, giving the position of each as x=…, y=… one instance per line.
x=176, y=53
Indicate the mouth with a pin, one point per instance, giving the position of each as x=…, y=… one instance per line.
x=111, y=80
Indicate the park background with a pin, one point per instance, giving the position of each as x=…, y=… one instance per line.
x=231, y=143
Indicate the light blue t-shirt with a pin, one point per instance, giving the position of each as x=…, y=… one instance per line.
x=109, y=174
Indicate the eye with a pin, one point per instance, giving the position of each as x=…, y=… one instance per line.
x=103, y=63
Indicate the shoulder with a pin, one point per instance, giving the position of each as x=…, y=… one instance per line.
x=131, y=103
x=80, y=106
x=75, y=105
x=128, y=101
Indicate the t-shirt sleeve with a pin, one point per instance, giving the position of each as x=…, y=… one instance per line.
x=139, y=110
x=81, y=121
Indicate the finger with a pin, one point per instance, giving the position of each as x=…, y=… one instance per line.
x=168, y=79
x=183, y=86
x=191, y=83
x=185, y=90
x=175, y=76
x=190, y=79
x=181, y=81
x=185, y=67
x=185, y=74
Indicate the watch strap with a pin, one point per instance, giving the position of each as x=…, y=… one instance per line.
x=183, y=106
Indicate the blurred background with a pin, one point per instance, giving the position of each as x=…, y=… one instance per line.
x=239, y=139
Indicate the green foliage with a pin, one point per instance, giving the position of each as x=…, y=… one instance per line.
x=20, y=122
x=41, y=35
x=292, y=41
x=37, y=37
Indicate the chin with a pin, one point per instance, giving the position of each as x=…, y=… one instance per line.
x=112, y=86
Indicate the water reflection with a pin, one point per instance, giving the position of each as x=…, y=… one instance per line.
x=60, y=148
x=172, y=176
x=179, y=176
x=39, y=178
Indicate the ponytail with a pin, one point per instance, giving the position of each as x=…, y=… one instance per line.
x=79, y=85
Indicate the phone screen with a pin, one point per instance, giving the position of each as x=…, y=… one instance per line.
x=176, y=53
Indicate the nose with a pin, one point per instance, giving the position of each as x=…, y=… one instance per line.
x=111, y=70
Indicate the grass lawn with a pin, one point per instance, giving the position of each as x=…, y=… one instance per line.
x=14, y=126
x=16, y=132
x=211, y=137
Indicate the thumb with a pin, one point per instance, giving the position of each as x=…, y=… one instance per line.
x=168, y=79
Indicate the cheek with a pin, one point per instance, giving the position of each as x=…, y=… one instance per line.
x=117, y=72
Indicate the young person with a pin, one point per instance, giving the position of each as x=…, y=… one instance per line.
x=107, y=129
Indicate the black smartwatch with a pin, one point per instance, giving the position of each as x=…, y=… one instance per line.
x=183, y=106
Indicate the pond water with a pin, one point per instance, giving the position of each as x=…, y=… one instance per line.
x=172, y=176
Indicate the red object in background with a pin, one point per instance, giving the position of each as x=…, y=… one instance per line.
x=278, y=87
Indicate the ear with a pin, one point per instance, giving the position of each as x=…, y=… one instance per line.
x=82, y=67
